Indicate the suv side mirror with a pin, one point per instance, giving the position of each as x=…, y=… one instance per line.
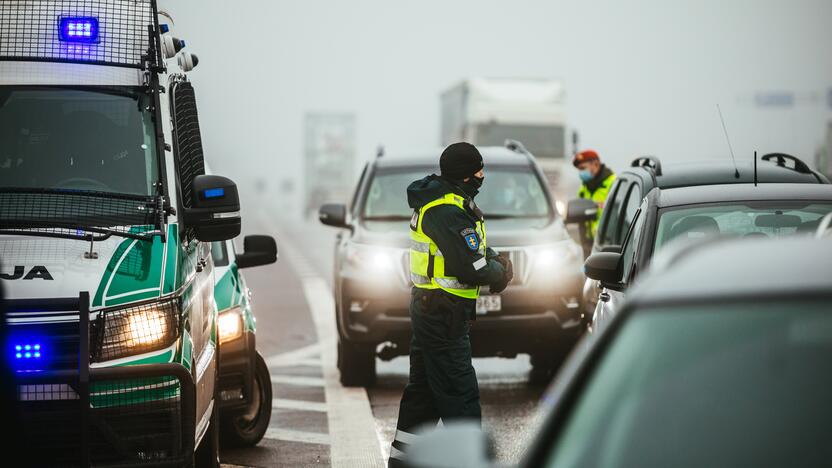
x=257, y=251
x=333, y=214
x=215, y=214
x=605, y=267
x=580, y=210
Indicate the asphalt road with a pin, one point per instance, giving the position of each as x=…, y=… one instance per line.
x=315, y=421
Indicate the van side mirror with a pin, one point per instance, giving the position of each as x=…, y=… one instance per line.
x=257, y=251
x=605, y=267
x=580, y=210
x=215, y=214
x=333, y=214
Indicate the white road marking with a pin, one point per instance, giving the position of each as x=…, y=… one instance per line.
x=290, y=358
x=303, y=405
x=291, y=435
x=298, y=380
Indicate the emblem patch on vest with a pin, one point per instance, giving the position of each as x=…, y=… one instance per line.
x=472, y=240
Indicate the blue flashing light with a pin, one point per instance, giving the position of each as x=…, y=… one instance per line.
x=164, y=28
x=18, y=355
x=24, y=351
x=18, y=348
x=79, y=29
x=213, y=193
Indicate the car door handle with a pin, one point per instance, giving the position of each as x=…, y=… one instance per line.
x=201, y=264
x=604, y=297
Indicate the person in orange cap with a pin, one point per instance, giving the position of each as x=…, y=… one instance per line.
x=596, y=180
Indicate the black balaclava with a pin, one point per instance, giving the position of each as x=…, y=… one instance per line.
x=461, y=161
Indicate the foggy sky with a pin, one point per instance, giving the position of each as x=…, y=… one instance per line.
x=642, y=77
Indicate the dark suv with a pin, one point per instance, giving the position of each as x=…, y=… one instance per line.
x=539, y=313
x=670, y=218
x=648, y=172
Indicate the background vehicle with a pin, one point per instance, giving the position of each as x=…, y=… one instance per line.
x=691, y=213
x=489, y=111
x=106, y=242
x=704, y=366
x=648, y=172
x=244, y=381
x=539, y=313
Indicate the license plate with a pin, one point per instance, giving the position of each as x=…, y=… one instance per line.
x=486, y=304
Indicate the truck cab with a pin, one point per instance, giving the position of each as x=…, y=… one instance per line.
x=106, y=232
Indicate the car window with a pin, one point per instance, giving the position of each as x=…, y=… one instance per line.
x=748, y=220
x=631, y=244
x=219, y=252
x=630, y=208
x=614, y=205
x=694, y=386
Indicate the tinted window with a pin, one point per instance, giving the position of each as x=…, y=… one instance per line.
x=630, y=208
x=722, y=385
x=629, y=250
x=757, y=220
x=71, y=139
x=614, y=206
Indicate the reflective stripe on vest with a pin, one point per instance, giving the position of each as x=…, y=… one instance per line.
x=426, y=256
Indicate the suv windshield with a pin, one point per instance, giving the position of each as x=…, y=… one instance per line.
x=507, y=193
x=763, y=219
x=707, y=385
x=80, y=139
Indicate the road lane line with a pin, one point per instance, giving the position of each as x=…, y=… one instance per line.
x=291, y=358
x=291, y=435
x=298, y=380
x=303, y=405
x=352, y=427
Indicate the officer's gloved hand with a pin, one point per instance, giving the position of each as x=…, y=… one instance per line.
x=508, y=274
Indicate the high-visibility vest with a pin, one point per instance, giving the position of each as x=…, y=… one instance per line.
x=427, y=264
x=598, y=196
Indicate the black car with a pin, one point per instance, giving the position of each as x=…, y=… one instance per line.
x=647, y=172
x=539, y=313
x=686, y=214
x=719, y=359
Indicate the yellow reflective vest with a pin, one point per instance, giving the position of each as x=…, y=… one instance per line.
x=598, y=196
x=427, y=264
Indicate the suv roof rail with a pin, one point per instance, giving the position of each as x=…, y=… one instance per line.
x=781, y=158
x=516, y=146
x=648, y=162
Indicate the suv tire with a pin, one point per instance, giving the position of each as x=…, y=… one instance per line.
x=356, y=363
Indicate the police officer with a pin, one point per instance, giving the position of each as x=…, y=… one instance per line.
x=449, y=261
x=596, y=180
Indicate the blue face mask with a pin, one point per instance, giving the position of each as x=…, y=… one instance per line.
x=585, y=175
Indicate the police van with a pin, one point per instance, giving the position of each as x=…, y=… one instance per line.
x=107, y=222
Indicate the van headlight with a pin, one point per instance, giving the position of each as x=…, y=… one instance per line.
x=135, y=330
x=230, y=325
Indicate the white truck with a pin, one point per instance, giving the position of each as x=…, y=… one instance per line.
x=489, y=111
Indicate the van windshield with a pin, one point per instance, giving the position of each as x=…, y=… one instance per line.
x=96, y=139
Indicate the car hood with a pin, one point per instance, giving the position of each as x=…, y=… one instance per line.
x=125, y=270
x=500, y=233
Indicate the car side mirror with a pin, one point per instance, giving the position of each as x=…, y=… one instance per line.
x=614, y=248
x=215, y=214
x=580, y=210
x=333, y=214
x=605, y=267
x=257, y=251
x=454, y=445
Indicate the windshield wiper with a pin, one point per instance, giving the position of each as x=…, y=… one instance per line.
x=387, y=218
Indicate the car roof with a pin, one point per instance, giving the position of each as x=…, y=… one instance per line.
x=721, y=171
x=491, y=155
x=721, y=269
x=741, y=192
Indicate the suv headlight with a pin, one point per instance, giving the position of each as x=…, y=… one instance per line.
x=372, y=258
x=135, y=330
x=555, y=258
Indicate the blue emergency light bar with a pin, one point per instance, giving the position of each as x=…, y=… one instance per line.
x=82, y=29
x=27, y=351
x=213, y=193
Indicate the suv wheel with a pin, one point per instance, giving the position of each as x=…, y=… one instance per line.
x=246, y=429
x=357, y=363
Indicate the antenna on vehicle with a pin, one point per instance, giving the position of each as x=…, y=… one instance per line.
x=725, y=129
x=755, y=168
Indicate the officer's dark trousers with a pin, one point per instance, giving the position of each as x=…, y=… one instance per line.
x=443, y=383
